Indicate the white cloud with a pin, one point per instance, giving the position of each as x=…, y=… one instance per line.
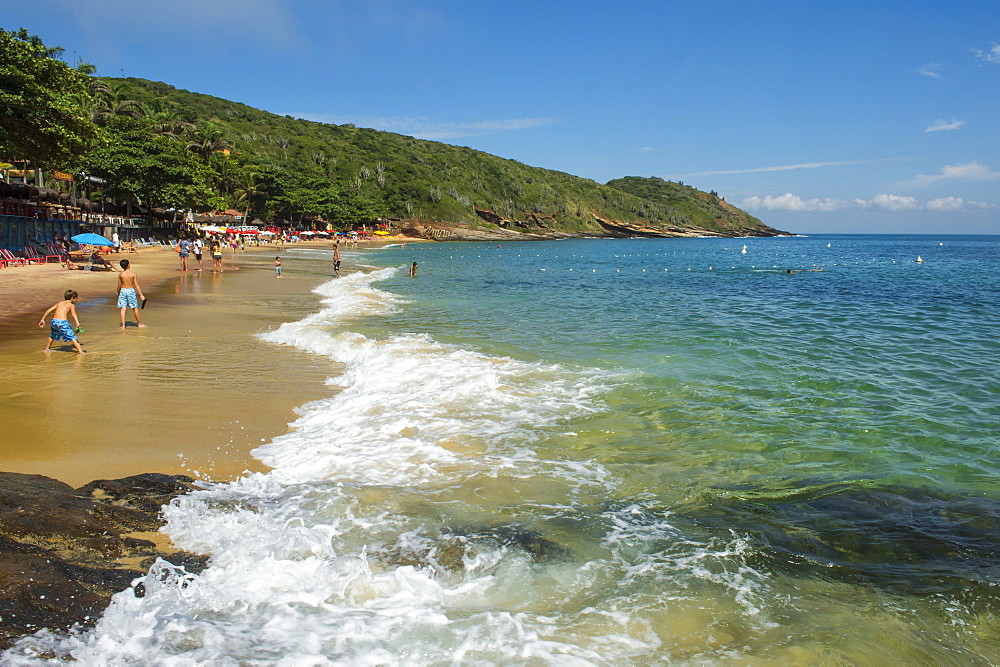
x=516, y=124
x=787, y=167
x=790, y=202
x=956, y=204
x=895, y=202
x=945, y=125
x=931, y=70
x=885, y=202
x=946, y=204
x=990, y=56
x=970, y=171
x=422, y=128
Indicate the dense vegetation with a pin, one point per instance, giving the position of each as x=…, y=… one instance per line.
x=159, y=146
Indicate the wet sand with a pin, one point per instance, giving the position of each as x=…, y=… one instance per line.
x=191, y=393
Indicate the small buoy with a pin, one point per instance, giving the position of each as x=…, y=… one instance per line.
x=744, y=251
x=919, y=258
x=827, y=245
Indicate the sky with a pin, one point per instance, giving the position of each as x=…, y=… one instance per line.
x=870, y=116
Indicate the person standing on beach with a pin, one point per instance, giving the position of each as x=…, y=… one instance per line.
x=216, y=257
x=116, y=241
x=184, y=248
x=196, y=247
x=336, y=258
x=59, y=326
x=128, y=287
x=277, y=267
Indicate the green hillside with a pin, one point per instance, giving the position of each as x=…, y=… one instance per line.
x=706, y=210
x=401, y=177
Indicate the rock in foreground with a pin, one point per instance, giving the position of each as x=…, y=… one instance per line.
x=64, y=552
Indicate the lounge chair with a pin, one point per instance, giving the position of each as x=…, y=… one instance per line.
x=32, y=253
x=56, y=250
x=8, y=258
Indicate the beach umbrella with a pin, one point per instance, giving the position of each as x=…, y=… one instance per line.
x=267, y=233
x=91, y=239
x=212, y=229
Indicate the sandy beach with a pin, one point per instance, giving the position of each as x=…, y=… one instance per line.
x=191, y=393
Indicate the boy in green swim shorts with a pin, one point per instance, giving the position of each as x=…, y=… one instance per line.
x=59, y=326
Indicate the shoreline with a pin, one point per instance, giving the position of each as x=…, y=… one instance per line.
x=35, y=287
x=192, y=393
x=95, y=444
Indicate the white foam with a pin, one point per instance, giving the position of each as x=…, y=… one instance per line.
x=340, y=554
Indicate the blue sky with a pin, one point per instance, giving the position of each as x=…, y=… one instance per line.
x=850, y=116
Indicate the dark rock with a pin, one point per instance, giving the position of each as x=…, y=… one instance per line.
x=62, y=551
x=449, y=550
x=912, y=541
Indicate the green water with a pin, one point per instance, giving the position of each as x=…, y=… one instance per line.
x=837, y=426
x=610, y=452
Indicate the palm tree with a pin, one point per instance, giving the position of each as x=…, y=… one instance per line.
x=166, y=122
x=207, y=139
x=110, y=102
x=249, y=188
x=283, y=144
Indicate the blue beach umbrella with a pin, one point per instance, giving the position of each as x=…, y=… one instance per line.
x=91, y=239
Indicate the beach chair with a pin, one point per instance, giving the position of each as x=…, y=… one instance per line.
x=32, y=253
x=56, y=250
x=8, y=258
x=30, y=258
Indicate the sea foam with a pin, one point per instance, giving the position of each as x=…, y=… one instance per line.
x=396, y=524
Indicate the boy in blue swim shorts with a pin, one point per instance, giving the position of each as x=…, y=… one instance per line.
x=129, y=294
x=59, y=325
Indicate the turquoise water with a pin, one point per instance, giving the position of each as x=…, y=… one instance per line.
x=611, y=451
x=877, y=367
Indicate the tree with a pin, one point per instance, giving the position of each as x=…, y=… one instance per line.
x=207, y=139
x=351, y=207
x=41, y=117
x=249, y=191
x=298, y=194
x=156, y=171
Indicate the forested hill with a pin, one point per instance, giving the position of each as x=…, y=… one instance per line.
x=401, y=177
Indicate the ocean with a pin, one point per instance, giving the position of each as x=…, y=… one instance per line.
x=598, y=451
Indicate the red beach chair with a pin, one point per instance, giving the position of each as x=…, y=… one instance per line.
x=32, y=254
x=8, y=258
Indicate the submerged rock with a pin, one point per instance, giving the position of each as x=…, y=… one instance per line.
x=64, y=552
x=449, y=551
x=912, y=541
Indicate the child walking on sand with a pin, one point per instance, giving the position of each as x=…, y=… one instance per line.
x=59, y=326
x=128, y=287
x=277, y=267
